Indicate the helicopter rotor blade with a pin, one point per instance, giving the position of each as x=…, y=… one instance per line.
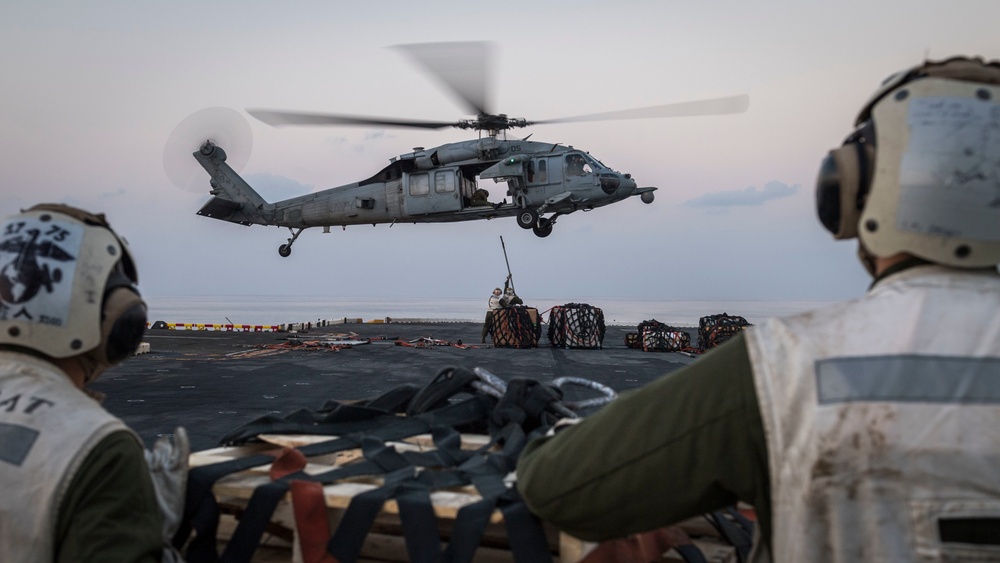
x=716, y=106
x=464, y=68
x=278, y=118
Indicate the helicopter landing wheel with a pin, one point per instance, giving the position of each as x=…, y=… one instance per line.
x=285, y=250
x=543, y=228
x=527, y=218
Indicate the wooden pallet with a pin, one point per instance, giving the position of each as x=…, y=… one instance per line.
x=385, y=540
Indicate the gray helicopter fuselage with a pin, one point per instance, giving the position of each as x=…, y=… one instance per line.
x=543, y=180
x=440, y=184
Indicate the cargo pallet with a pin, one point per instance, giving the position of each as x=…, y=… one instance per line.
x=385, y=542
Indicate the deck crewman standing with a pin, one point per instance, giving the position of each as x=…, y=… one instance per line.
x=492, y=305
x=509, y=298
x=76, y=484
x=866, y=431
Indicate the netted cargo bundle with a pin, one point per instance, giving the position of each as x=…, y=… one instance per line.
x=576, y=325
x=665, y=340
x=653, y=324
x=654, y=336
x=516, y=327
x=716, y=329
x=633, y=340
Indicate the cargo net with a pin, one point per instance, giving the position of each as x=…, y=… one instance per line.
x=716, y=329
x=467, y=427
x=576, y=325
x=654, y=336
x=515, y=327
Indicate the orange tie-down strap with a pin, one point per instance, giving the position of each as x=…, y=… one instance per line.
x=646, y=547
x=308, y=506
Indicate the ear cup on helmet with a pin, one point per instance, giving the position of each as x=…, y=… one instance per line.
x=843, y=183
x=836, y=192
x=123, y=324
x=828, y=189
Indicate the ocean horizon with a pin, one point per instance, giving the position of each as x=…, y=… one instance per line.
x=278, y=310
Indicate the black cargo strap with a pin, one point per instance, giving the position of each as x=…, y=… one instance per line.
x=690, y=553
x=446, y=384
x=484, y=470
x=201, y=508
x=472, y=519
x=380, y=459
x=738, y=531
x=525, y=406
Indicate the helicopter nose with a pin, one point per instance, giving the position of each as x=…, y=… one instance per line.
x=627, y=187
x=616, y=185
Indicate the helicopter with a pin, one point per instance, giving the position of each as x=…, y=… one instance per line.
x=544, y=180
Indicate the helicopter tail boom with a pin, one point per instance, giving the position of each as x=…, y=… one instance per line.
x=235, y=201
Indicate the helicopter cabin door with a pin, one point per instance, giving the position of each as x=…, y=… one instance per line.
x=544, y=170
x=434, y=191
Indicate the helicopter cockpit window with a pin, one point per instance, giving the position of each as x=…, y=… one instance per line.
x=444, y=181
x=596, y=164
x=576, y=165
x=419, y=184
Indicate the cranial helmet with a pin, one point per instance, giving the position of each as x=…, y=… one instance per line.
x=68, y=287
x=509, y=291
x=921, y=172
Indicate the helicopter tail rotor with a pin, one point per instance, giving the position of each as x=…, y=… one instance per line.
x=223, y=126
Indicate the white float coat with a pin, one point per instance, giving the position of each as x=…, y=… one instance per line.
x=881, y=417
x=47, y=428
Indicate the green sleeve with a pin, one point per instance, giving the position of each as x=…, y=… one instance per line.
x=683, y=445
x=110, y=512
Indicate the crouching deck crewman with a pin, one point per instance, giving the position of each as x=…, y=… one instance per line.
x=76, y=483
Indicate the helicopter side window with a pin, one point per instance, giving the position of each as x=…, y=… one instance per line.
x=419, y=184
x=576, y=165
x=444, y=182
x=541, y=171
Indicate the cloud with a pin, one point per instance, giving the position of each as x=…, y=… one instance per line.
x=370, y=139
x=747, y=196
x=105, y=195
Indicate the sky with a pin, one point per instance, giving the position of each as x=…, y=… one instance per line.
x=91, y=91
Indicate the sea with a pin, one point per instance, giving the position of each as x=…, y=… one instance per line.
x=279, y=310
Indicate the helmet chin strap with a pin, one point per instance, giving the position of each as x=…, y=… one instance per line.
x=867, y=259
x=92, y=367
x=880, y=268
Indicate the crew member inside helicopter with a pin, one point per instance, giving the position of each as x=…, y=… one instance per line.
x=574, y=165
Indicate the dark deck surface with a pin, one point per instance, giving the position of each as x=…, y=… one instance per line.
x=212, y=382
